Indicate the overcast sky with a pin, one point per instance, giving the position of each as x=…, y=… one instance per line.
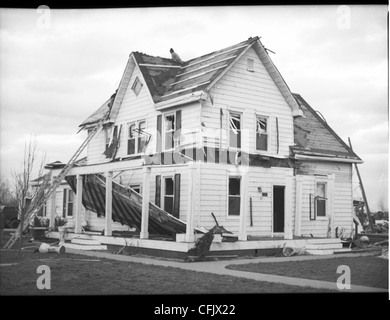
x=53, y=78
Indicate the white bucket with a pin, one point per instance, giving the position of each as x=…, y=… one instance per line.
x=46, y=248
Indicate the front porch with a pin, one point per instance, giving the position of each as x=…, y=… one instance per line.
x=254, y=246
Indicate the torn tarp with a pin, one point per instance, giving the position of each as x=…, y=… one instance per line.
x=114, y=143
x=126, y=206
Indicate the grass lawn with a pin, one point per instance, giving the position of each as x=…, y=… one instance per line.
x=74, y=274
x=368, y=271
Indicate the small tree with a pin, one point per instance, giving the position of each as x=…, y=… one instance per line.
x=22, y=180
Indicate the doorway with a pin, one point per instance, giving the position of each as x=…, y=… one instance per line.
x=278, y=201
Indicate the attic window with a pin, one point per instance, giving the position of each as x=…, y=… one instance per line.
x=250, y=65
x=137, y=86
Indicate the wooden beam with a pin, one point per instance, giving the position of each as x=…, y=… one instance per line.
x=79, y=205
x=190, y=204
x=363, y=192
x=108, y=221
x=197, y=75
x=144, y=234
x=158, y=65
x=205, y=66
x=213, y=56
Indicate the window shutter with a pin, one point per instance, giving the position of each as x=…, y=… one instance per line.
x=176, y=205
x=159, y=134
x=157, y=200
x=64, y=203
x=178, y=120
x=178, y=127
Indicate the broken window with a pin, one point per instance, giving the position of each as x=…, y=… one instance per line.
x=234, y=196
x=131, y=139
x=137, y=86
x=136, y=188
x=250, y=65
x=142, y=138
x=169, y=131
x=261, y=133
x=234, y=130
x=137, y=137
x=320, y=199
x=168, y=194
x=107, y=136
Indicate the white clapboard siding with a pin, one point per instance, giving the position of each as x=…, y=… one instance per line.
x=342, y=197
x=251, y=93
x=214, y=197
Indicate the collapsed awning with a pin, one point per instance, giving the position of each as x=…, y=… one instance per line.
x=126, y=206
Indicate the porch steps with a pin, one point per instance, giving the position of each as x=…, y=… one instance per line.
x=325, y=246
x=85, y=244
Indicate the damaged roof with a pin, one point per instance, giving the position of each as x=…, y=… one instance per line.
x=314, y=137
x=167, y=79
x=166, y=83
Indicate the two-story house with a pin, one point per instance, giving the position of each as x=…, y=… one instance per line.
x=222, y=134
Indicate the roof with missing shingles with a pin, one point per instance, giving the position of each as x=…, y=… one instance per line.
x=166, y=83
x=313, y=136
x=167, y=79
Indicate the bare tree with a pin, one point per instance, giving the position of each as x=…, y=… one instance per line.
x=22, y=182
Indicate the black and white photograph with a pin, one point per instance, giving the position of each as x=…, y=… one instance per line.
x=194, y=150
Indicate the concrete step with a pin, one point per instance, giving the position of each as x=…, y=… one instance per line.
x=84, y=246
x=324, y=240
x=85, y=241
x=324, y=246
x=343, y=250
x=319, y=251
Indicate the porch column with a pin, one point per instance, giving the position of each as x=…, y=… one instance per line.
x=53, y=206
x=191, y=204
x=144, y=234
x=330, y=197
x=288, y=208
x=79, y=204
x=108, y=222
x=243, y=208
x=298, y=205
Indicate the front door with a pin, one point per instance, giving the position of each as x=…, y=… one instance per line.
x=278, y=198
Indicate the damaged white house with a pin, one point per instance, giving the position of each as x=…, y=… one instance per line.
x=222, y=134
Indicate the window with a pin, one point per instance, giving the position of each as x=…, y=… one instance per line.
x=136, y=140
x=68, y=203
x=168, y=194
x=234, y=130
x=169, y=131
x=261, y=133
x=320, y=199
x=107, y=136
x=234, y=196
x=250, y=65
x=137, y=86
x=131, y=139
x=136, y=188
x=43, y=211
